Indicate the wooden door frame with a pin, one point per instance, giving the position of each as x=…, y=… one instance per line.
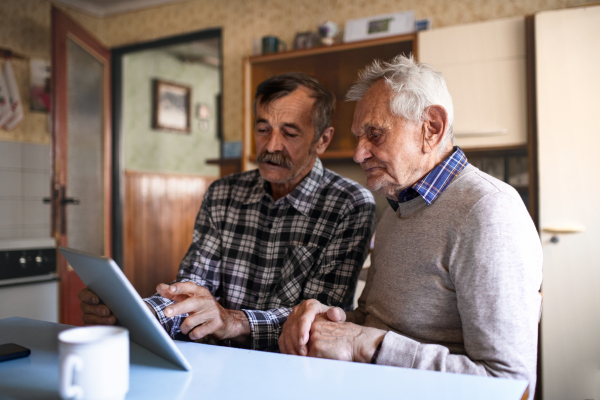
x=64, y=28
x=118, y=169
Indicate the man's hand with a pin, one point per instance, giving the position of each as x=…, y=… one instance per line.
x=296, y=330
x=94, y=312
x=343, y=340
x=206, y=315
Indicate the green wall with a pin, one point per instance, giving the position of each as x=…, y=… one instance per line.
x=152, y=150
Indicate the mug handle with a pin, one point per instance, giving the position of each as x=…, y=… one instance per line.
x=67, y=389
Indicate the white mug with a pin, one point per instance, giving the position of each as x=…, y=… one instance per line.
x=94, y=363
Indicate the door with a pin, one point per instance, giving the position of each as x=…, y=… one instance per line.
x=567, y=58
x=81, y=182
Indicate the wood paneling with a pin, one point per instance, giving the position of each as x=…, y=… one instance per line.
x=159, y=214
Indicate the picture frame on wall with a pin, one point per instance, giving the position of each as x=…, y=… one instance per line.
x=172, y=106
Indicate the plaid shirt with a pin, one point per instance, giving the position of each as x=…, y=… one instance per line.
x=264, y=256
x=436, y=181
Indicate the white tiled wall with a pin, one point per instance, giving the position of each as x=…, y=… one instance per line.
x=24, y=181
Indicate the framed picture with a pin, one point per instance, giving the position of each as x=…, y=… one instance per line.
x=172, y=106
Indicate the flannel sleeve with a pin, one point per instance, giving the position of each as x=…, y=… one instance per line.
x=200, y=265
x=332, y=279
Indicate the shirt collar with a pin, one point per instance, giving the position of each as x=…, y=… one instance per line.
x=300, y=197
x=436, y=181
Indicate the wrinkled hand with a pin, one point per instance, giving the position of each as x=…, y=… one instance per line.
x=94, y=312
x=296, y=330
x=343, y=340
x=206, y=315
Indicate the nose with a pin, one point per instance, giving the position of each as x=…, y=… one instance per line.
x=274, y=143
x=362, y=151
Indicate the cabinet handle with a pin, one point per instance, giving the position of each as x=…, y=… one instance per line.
x=482, y=132
x=564, y=229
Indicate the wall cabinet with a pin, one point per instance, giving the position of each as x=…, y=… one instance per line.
x=484, y=65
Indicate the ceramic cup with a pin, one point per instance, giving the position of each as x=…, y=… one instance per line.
x=94, y=363
x=272, y=44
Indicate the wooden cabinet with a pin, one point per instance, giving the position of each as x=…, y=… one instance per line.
x=336, y=67
x=484, y=65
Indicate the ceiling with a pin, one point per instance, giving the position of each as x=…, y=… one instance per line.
x=205, y=51
x=102, y=8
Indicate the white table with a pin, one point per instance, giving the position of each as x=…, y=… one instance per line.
x=227, y=373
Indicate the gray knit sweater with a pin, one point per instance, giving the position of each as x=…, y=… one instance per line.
x=456, y=282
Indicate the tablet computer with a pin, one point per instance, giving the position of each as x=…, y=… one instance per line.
x=103, y=277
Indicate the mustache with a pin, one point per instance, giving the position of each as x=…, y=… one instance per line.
x=277, y=158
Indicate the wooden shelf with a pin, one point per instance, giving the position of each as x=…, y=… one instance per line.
x=285, y=55
x=336, y=67
x=227, y=165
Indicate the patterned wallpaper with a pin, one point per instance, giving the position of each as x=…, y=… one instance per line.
x=25, y=27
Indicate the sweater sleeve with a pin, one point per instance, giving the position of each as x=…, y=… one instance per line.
x=496, y=270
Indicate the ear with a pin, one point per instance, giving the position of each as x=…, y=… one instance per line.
x=324, y=140
x=434, y=127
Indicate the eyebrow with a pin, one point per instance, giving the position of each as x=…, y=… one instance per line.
x=368, y=125
x=287, y=124
x=292, y=125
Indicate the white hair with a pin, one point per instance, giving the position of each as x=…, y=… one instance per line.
x=416, y=87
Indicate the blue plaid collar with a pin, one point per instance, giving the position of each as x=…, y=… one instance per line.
x=301, y=198
x=436, y=181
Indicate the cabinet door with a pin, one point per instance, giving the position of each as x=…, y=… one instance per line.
x=485, y=70
x=567, y=58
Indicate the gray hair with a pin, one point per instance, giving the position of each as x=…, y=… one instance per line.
x=416, y=87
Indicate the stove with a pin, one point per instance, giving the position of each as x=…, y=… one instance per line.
x=28, y=279
x=27, y=260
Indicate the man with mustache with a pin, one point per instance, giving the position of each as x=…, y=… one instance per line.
x=457, y=263
x=265, y=240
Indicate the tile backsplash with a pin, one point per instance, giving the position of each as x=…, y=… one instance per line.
x=24, y=182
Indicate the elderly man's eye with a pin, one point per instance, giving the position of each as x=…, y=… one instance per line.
x=374, y=136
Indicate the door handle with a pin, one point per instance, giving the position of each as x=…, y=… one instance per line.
x=67, y=200
x=70, y=200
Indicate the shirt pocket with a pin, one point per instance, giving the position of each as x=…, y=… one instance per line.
x=297, y=266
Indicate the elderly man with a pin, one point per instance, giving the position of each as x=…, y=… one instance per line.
x=266, y=240
x=457, y=264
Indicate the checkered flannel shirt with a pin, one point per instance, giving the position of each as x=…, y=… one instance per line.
x=436, y=181
x=264, y=256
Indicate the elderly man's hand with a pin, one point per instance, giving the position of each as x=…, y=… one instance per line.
x=94, y=312
x=206, y=315
x=343, y=340
x=296, y=330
